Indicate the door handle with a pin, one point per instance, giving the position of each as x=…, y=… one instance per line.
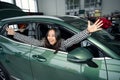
x=39, y=58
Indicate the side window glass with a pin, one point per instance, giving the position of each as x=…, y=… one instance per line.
x=27, y=29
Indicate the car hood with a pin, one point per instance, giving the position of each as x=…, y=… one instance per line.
x=8, y=10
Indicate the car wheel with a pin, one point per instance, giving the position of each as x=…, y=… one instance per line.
x=3, y=74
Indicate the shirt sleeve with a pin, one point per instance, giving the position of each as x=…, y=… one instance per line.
x=76, y=38
x=28, y=40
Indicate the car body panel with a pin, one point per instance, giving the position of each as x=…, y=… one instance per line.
x=55, y=65
x=106, y=49
x=15, y=57
x=113, y=66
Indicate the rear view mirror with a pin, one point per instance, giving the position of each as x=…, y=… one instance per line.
x=81, y=55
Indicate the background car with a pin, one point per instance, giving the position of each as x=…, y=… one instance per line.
x=8, y=10
x=95, y=58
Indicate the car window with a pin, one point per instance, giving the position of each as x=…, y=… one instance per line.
x=95, y=51
x=21, y=28
x=36, y=30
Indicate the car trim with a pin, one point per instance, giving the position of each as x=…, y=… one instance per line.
x=50, y=49
x=13, y=77
x=14, y=41
x=33, y=45
x=20, y=17
x=101, y=58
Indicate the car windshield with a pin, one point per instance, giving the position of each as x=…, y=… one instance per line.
x=102, y=36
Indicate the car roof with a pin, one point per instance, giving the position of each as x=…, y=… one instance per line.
x=35, y=17
x=70, y=18
x=64, y=18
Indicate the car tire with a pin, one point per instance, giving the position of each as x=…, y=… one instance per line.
x=3, y=73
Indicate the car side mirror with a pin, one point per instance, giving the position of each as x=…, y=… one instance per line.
x=81, y=55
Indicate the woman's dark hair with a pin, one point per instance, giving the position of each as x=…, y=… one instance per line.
x=57, y=45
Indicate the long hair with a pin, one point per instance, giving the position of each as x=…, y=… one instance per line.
x=57, y=45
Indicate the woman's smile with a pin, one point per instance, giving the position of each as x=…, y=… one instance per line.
x=51, y=37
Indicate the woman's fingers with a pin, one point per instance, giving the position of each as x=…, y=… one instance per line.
x=10, y=31
x=98, y=26
x=88, y=23
x=99, y=23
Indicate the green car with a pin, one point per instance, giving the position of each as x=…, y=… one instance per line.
x=95, y=58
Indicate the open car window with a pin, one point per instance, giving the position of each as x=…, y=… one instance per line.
x=39, y=30
x=21, y=28
x=36, y=30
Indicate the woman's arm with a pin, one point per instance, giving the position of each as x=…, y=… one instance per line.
x=84, y=34
x=24, y=38
x=76, y=38
x=28, y=40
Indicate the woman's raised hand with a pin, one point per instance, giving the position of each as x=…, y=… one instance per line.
x=94, y=27
x=10, y=31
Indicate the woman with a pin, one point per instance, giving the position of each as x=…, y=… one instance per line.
x=53, y=39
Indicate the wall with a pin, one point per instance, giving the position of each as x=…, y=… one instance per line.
x=110, y=6
x=57, y=7
x=52, y=7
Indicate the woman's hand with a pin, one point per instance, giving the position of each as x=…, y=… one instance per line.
x=95, y=27
x=10, y=31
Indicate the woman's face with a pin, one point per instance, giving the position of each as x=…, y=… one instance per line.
x=51, y=37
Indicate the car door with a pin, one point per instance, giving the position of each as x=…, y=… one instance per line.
x=14, y=56
x=49, y=66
